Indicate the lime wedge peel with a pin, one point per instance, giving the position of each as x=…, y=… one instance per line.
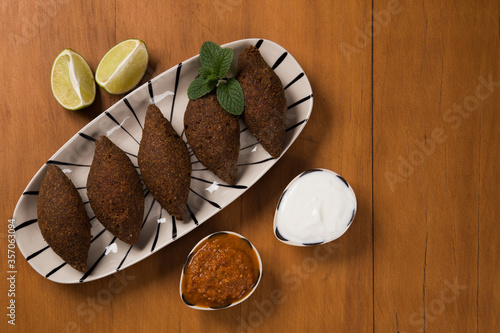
x=122, y=67
x=72, y=81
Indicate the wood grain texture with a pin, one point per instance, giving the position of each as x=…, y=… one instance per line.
x=432, y=120
x=401, y=111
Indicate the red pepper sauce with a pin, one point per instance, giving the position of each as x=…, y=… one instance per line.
x=222, y=270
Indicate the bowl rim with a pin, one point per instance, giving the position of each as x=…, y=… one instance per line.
x=259, y=277
x=295, y=243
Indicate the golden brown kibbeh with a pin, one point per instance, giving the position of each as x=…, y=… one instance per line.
x=165, y=163
x=214, y=136
x=62, y=218
x=115, y=191
x=265, y=103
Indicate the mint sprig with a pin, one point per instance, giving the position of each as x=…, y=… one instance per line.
x=215, y=63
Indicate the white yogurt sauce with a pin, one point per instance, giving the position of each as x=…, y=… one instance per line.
x=316, y=207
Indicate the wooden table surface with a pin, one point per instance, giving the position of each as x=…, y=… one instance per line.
x=406, y=108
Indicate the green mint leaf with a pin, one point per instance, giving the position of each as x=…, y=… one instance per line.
x=207, y=54
x=200, y=87
x=211, y=79
x=222, y=60
x=207, y=72
x=230, y=96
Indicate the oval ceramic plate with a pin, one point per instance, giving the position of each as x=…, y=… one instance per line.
x=123, y=124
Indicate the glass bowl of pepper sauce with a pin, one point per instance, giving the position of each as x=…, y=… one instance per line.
x=221, y=271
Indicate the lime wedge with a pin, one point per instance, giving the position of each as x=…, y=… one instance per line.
x=123, y=66
x=72, y=81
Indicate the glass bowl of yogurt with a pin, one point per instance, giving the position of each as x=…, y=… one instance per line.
x=317, y=207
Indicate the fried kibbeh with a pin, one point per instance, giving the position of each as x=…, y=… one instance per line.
x=164, y=163
x=265, y=103
x=115, y=191
x=214, y=136
x=62, y=218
